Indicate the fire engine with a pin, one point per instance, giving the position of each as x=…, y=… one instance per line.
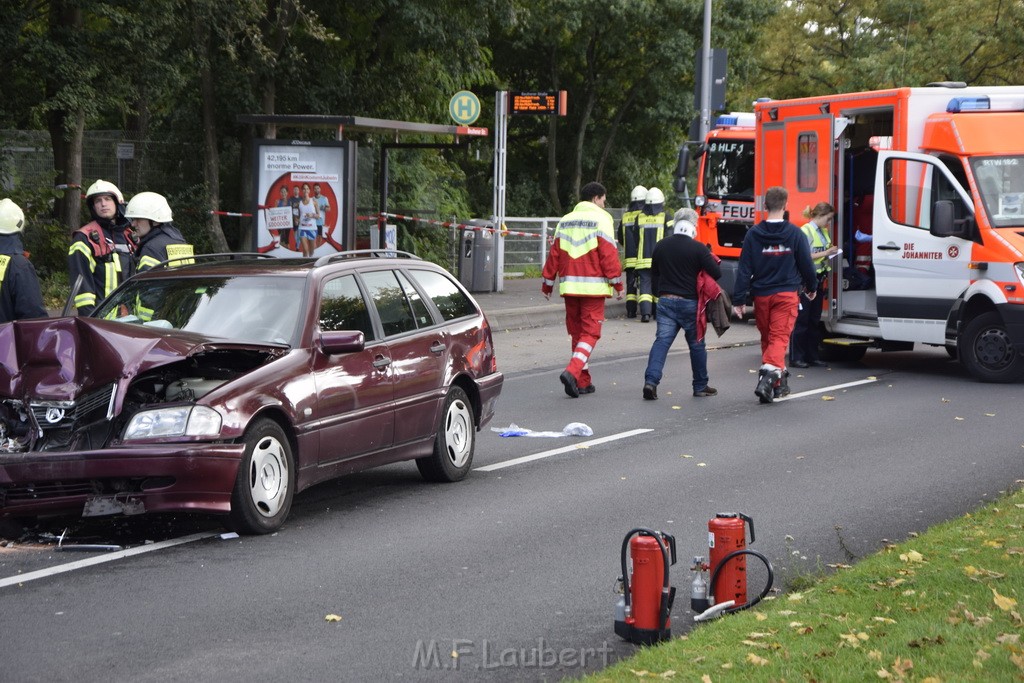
x=928, y=185
x=725, y=190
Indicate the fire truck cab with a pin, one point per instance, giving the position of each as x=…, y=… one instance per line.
x=928, y=185
x=725, y=190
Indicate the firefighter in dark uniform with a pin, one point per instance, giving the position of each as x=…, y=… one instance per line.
x=651, y=225
x=101, y=254
x=159, y=240
x=20, y=295
x=628, y=238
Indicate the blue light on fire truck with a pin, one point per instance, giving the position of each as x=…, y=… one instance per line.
x=745, y=119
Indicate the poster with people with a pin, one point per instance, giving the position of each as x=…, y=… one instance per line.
x=303, y=195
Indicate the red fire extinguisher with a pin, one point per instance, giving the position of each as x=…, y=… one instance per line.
x=643, y=613
x=725, y=536
x=726, y=591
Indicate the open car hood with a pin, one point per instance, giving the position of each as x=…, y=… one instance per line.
x=60, y=358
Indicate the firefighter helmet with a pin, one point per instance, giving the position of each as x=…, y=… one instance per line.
x=655, y=196
x=12, y=218
x=638, y=194
x=149, y=205
x=103, y=187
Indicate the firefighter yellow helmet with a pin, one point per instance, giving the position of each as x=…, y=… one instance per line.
x=149, y=205
x=103, y=187
x=655, y=196
x=638, y=194
x=12, y=218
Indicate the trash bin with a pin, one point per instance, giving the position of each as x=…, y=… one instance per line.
x=476, y=259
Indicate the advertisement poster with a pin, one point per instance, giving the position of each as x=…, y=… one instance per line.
x=302, y=195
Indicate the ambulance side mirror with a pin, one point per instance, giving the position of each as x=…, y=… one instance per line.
x=945, y=225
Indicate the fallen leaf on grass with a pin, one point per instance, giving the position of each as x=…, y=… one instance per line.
x=882, y=673
x=754, y=659
x=796, y=597
x=912, y=556
x=1004, y=638
x=705, y=679
x=1003, y=602
x=885, y=620
x=875, y=655
x=760, y=617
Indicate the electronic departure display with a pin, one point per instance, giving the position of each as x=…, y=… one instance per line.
x=552, y=103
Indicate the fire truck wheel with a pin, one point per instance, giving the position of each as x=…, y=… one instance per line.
x=454, y=443
x=987, y=351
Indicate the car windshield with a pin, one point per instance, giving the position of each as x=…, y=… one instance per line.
x=245, y=308
x=729, y=170
x=1001, y=183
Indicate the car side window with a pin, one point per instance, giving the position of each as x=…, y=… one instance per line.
x=342, y=307
x=446, y=295
x=419, y=307
x=387, y=294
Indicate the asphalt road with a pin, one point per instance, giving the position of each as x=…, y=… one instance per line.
x=513, y=569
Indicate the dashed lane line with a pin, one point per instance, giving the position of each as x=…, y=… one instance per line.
x=812, y=392
x=109, y=557
x=556, y=451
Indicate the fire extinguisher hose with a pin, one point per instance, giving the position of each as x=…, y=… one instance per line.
x=767, y=586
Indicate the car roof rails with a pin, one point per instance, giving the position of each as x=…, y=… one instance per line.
x=222, y=256
x=360, y=253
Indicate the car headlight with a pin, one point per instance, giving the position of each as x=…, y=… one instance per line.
x=177, y=421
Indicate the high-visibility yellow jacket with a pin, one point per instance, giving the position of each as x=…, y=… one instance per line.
x=583, y=255
x=651, y=229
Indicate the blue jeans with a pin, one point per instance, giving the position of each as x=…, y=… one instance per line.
x=675, y=315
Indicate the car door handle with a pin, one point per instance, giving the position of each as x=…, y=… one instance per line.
x=437, y=348
x=887, y=247
x=380, y=362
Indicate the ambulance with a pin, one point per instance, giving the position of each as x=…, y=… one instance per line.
x=725, y=189
x=928, y=185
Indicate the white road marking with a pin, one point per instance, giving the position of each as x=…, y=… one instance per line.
x=556, y=451
x=108, y=557
x=812, y=392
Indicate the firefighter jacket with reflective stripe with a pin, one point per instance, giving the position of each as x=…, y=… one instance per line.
x=819, y=241
x=103, y=256
x=20, y=295
x=628, y=235
x=163, y=242
x=651, y=228
x=583, y=255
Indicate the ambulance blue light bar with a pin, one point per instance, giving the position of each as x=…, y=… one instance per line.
x=959, y=105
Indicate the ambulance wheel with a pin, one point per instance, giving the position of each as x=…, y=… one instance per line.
x=454, y=443
x=265, y=485
x=987, y=351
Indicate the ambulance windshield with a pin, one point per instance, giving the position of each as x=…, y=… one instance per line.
x=1001, y=182
x=729, y=170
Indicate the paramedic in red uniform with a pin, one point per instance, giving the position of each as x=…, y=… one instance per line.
x=585, y=260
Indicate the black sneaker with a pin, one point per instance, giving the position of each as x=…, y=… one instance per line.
x=589, y=389
x=650, y=392
x=766, y=381
x=571, y=389
x=645, y=318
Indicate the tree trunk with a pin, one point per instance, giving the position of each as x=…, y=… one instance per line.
x=211, y=156
x=66, y=127
x=609, y=142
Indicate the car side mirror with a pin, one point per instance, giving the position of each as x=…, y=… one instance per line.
x=344, y=341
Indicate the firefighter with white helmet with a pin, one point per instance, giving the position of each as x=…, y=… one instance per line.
x=651, y=225
x=159, y=239
x=20, y=295
x=628, y=238
x=101, y=254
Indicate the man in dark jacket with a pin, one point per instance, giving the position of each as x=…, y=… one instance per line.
x=20, y=296
x=774, y=262
x=675, y=265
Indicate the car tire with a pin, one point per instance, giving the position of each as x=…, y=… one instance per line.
x=262, y=497
x=986, y=350
x=454, y=443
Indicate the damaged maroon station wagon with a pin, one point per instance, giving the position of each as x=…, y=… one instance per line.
x=230, y=384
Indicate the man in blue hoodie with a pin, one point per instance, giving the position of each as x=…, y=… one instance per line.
x=774, y=262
